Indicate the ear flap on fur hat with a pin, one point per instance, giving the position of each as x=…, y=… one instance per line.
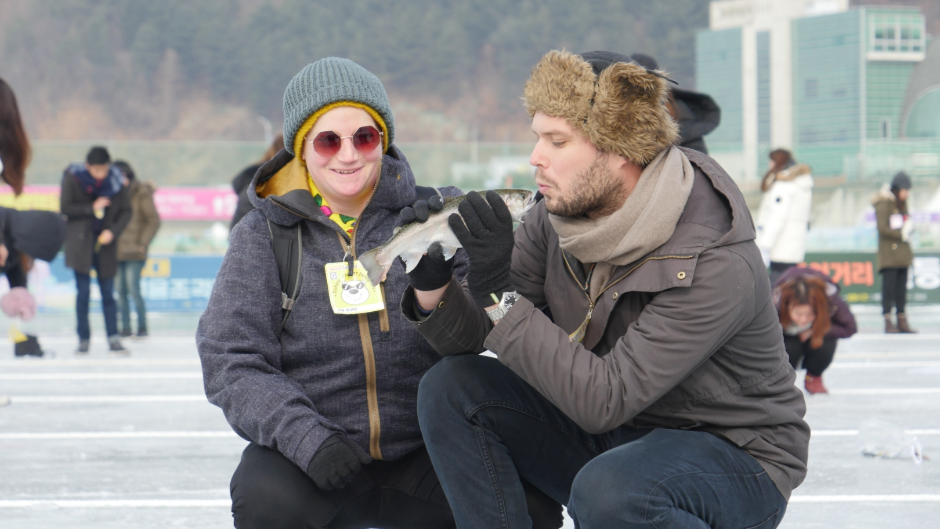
x=621, y=110
x=629, y=115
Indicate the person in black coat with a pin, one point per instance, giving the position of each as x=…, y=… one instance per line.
x=243, y=179
x=95, y=201
x=697, y=114
x=28, y=235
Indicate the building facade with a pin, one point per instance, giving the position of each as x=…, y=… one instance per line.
x=825, y=80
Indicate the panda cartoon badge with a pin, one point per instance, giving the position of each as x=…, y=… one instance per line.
x=352, y=294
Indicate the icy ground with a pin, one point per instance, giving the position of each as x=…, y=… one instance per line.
x=104, y=443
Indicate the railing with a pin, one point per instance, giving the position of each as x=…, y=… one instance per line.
x=193, y=163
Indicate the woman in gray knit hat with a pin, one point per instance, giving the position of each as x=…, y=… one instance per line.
x=322, y=380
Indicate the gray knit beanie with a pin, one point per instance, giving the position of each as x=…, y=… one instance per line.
x=327, y=81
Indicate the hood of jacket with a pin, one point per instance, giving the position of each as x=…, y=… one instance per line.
x=832, y=289
x=883, y=195
x=698, y=114
x=701, y=211
x=38, y=234
x=715, y=214
x=139, y=188
x=799, y=174
x=281, y=191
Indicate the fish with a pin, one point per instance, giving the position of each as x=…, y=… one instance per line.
x=411, y=241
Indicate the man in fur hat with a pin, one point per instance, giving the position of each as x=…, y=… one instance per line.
x=641, y=377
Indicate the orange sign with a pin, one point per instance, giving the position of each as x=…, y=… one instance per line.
x=846, y=273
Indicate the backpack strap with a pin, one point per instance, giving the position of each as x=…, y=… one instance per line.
x=288, y=252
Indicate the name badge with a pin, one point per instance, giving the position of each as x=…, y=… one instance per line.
x=896, y=221
x=352, y=294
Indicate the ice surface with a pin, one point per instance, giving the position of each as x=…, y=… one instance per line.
x=150, y=452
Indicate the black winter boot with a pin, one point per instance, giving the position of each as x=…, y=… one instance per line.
x=28, y=348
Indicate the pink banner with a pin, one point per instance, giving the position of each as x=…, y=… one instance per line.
x=195, y=203
x=173, y=203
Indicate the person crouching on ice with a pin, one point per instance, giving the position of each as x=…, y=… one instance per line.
x=641, y=376
x=814, y=317
x=27, y=235
x=325, y=390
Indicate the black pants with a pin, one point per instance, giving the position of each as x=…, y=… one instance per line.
x=777, y=270
x=271, y=492
x=893, y=289
x=814, y=360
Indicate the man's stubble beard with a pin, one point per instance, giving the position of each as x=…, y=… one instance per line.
x=595, y=192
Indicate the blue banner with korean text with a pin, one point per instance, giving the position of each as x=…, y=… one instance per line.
x=170, y=283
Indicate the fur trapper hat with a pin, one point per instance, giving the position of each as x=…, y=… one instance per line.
x=617, y=103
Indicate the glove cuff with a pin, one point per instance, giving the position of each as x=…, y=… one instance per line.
x=485, y=300
x=432, y=278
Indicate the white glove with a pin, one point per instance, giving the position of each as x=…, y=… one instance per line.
x=906, y=230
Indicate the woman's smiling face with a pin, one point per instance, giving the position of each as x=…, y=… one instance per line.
x=346, y=178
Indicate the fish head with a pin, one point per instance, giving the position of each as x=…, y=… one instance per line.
x=519, y=201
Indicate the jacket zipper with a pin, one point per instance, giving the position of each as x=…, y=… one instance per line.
x=585, y=288
x=368, y=353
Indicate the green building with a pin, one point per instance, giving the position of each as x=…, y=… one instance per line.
x=829, y=82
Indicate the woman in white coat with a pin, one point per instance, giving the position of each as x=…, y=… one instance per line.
x=783, y=220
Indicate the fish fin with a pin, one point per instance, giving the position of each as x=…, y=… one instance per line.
x=411, y=259
x=449, y=251
x=375, y=269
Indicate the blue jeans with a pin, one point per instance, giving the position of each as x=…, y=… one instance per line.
x=129, y=287
x=109, y=306
x=485, y=429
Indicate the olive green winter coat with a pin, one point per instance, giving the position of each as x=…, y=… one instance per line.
x=144, y=223
x=893, y=252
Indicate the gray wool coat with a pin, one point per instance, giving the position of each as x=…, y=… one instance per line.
x=685, y=338
x=290, y=394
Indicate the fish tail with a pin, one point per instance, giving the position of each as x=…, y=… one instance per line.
x=375, y=269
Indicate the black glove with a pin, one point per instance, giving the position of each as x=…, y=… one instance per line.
x=488, y=240
x=336, y=463
x=432, y=272
x=420, y=211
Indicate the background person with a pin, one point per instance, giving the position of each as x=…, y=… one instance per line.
x=783, y=219
x=697, y=114
x=132, y=249
x=14, y=157
x=95, y=203
x=28, y=235
x=14, y=148
x=328, y=401
x=242, y=179
x=814, y=317
x=894, y=249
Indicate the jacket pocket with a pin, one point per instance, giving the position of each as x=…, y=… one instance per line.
x=769, y=523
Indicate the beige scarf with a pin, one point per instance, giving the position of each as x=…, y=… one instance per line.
x=645, y=222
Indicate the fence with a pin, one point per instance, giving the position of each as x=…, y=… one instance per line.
x=170, y=163
x=176, y=283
